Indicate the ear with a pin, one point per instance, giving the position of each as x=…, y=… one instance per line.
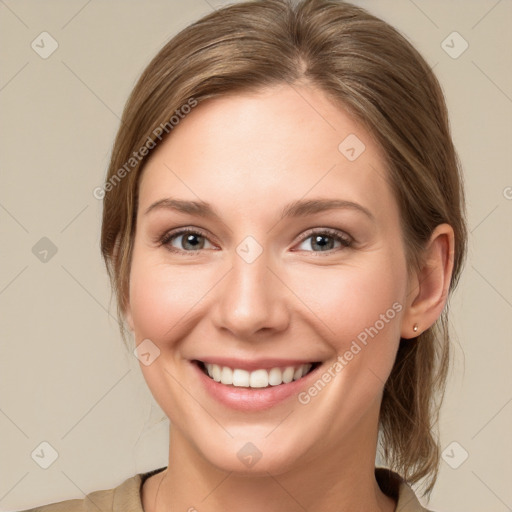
x=429, y=286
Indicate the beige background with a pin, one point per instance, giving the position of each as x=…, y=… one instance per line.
x=65, y=376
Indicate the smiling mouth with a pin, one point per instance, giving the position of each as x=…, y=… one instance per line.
x=261, y=378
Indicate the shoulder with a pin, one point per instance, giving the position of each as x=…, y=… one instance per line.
x=395, y=486
x=126, y=496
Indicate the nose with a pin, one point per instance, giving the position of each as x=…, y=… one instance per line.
x=251, y=300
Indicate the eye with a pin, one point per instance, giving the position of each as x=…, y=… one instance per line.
x=188, y=240
x=325, y=239
x=192, y=240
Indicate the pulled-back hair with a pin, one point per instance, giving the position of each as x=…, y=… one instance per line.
x=369, y=69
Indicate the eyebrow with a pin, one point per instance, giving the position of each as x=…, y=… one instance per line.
x=299, y=208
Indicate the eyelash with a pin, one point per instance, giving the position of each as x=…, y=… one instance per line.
x=345, y=240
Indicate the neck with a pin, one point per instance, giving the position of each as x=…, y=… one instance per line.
x=335, y=481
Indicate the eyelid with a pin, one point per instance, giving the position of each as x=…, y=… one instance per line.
x=165, y=239
x=335, y=233
x=345, y=239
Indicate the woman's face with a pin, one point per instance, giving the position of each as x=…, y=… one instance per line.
x=269, y=278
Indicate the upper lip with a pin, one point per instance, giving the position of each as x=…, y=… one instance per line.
x=255, y=364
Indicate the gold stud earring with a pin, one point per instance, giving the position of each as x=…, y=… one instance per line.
x=415, y=328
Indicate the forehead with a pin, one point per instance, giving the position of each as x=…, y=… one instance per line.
x=268, y=147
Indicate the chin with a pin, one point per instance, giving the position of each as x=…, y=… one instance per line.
x=253, y=456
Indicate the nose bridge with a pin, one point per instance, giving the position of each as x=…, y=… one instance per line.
x=251, y=298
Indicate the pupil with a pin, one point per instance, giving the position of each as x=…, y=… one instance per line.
x=189, y=239
x=325, y=246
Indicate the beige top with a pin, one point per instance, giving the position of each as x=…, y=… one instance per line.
x=126, y=497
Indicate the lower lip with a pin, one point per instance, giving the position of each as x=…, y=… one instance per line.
x=252, y=399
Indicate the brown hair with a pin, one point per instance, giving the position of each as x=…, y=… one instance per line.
x=375, y=74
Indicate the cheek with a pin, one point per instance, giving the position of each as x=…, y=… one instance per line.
x=358, y=308
x=160, y=297
x=353, y=295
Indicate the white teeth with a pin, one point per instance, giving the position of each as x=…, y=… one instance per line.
x=257, y=378
x=240, y=378
x=216, y=373
x=275, y=377
x=288, y=374
x=305, y=369
x=226, y=376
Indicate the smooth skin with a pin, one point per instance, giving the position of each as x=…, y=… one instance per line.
x=249, y=155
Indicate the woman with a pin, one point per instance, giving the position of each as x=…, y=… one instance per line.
x=283, y=224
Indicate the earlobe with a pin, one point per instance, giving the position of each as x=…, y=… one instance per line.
x=428, y=292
